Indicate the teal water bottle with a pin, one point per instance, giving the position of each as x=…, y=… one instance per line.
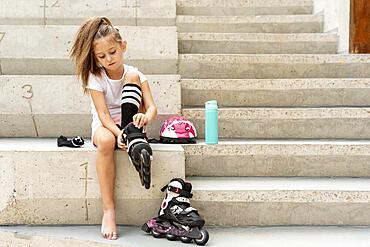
x=211, y=122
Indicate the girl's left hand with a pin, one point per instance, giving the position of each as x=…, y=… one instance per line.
x=139, y=120
x=121, y=144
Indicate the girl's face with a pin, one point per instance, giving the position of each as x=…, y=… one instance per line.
x=109, y=53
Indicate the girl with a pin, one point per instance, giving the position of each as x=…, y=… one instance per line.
x=119, y=93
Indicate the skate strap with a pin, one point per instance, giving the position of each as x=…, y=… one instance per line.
x=135, y=141
x=178, y=191
x=189, y=210
x=135, y=135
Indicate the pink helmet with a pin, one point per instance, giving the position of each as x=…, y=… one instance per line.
x=177, y=129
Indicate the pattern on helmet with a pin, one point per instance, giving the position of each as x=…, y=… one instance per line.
x=178, y=127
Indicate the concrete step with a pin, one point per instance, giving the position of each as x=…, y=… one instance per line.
x=312, y=92
x=275, y=158
x=229, y=201
x=257, y=43
x=272, y=66
x=45, y=184
x=48, y=106
x=306, y=123
x=250, y=24
x=78, y=236
x=44, y=49
x=240, y=7
x=70, y=12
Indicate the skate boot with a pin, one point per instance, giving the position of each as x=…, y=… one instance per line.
x=176, y=218
x=139, y=152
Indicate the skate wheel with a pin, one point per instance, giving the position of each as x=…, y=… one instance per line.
x=145, y=169
x=185, y=240
x=146, y=228
x=203, y=239
x=171, y=237
x=156, y=234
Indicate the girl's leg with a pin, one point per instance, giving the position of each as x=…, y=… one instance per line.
x=131, y=98
x=105, y=141
x=139, y=150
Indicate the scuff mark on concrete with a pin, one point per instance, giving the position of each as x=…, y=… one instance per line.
x=16, y=212
x=13, y=198
x=86, y=178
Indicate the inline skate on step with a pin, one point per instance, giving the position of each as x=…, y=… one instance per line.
x=176, y=218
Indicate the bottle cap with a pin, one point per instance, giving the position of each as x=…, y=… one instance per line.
x=211, y=105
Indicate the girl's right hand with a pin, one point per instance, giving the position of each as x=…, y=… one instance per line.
x=120, y=142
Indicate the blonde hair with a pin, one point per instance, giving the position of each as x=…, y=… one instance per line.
x=82, y=49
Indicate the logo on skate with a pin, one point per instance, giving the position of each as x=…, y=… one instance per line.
x=176, y=210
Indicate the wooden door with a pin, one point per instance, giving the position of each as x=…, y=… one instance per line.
x=360, y=26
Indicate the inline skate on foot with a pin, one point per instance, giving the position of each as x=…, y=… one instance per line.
x=139, y=152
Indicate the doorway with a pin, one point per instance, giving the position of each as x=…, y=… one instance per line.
x=360, y=26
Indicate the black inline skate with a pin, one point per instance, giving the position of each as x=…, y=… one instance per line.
x=176, y=218
x=139, y=152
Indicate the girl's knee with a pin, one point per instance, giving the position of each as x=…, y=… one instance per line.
x=106, y=142
x=133, y=77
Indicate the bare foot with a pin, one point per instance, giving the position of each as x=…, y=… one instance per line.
x=108, y=225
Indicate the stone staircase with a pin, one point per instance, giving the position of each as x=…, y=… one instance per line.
x=290, y=121
x=41, y=99
x=293, y=123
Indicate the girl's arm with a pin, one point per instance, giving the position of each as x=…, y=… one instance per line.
x=150, y=108
x=103, y=112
